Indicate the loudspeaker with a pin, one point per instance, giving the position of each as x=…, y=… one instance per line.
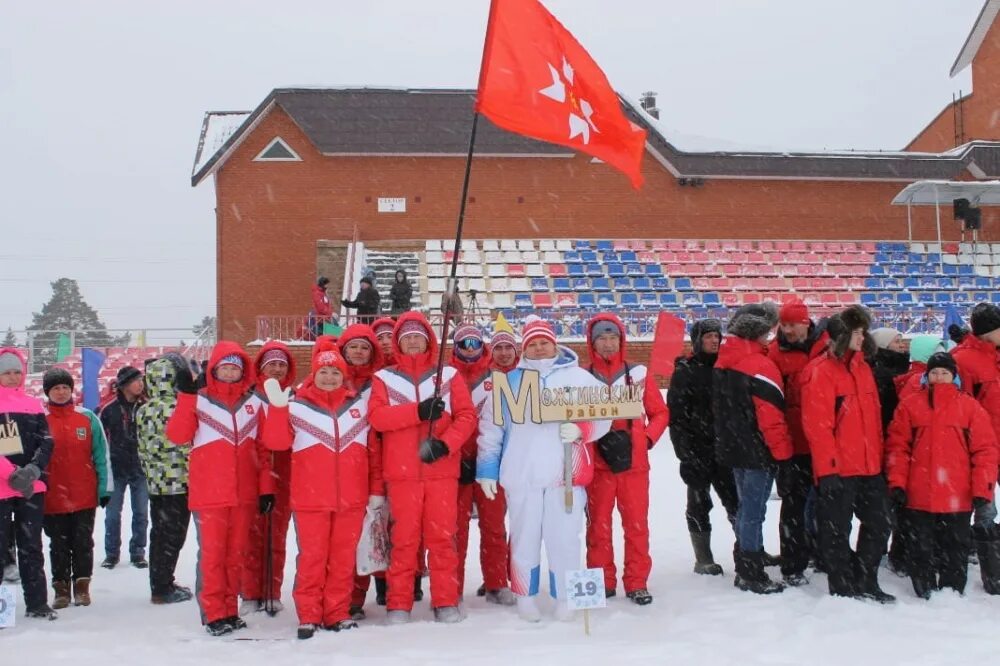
x=961, y=206
x=973, y=219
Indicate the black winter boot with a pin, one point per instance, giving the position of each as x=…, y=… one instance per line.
x=922, y=587
x=988, y=547
x=750, y=574
x=704, y=562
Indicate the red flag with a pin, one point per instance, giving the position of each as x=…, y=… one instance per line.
x=668, y=342
x=538, y=81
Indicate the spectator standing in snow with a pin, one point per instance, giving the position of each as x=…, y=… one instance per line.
x=367, y=302
x=692, y=433
x=166, y=470
x=621, y=474
x=25, y=450
x=751, y=433
x=528, y=460
x=401, y=293
x=118, y=419
x=843, y=422
x=941, y=461
x=79, y=478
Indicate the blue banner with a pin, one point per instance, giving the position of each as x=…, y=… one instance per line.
x=93, y=361
x=951, y=316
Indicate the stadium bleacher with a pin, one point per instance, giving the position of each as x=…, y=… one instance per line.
x=115, y=359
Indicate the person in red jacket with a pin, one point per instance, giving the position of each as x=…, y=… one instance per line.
x=798, y=341
x=326, y=428
x=421, y=466
x=748, y=406
x=472, y=360
x=264, y=566
x=621, y=474
x=229, y=477
x=941, y=460
x=383, y=328
x=79, y=480
x=843, y=423
x=322, y=310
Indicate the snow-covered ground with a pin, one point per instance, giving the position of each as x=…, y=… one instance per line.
x=694, y=619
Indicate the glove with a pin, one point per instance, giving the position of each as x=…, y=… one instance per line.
x=432, y=449
x=898, y=497
x=467, y=474
x=104, y=501
x=184, y=382
x=23, y=479
x=265, y=504
x=569, y=433
x=616, y=450
x=275, y=395
x=376, y=501
x=831, y=484
x=979, y=502
x=489, y=487
x=430, y=409
x=346, y=303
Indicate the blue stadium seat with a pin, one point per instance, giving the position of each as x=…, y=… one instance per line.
x=594, y=269
x=949, y=269
x=561, y=284
x=929, y=269
x=571, y=257
x=629, y=300
x=873, y=283
x=904, y=298
x=581, y=284
x=692, y=298
x=930, y=282
x=886, y=298
x=900, y=247
x=933, y=257
x=682, y=284
x=661, y=284
x=642, y=284
x=942, y=298
x=669, y=300
x=908, y=283
x=648, y=301
x=610, y=256
x=711, y=299
x=605, y=246
x=628, y=255
x=622, y=284
x=980, y=297
x=882, y=258
x=588, y=256
x=539, y=284
x=996, y=283
x=961, y=298
x=882, y=246
x=602, y=284
x=634, y=269
x=896, y=269
x=582, y=245
x=576, y=270
x=966, y=270
x=522, y=301
x=898, y=257
x=576, y=328
x=586, y=300
x=982, y=282
x=995, y=297
x=606, y=301
x=875, y=269
x=654, y=270
x=868, y=298
x=616, y=270
x=913, y=269
x=891, y=283
x=915, y=258
x=965, y=281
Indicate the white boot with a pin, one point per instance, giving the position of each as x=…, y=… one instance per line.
x=527, y=609
x=502, y=597
x=11, y=574
x=250, y=606
x=563, y=612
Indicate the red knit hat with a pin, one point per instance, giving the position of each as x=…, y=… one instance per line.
x=329, y=358
x=534, y=327
x=794, y=312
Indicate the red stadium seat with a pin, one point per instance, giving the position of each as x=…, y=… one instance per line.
x=745, y=245
x=799, y=246
x=765, y=246
x=660, y=245
x=566, y=300
x=751, y=297
x=515, y=270
x=557, y=270
x=541, y=300
x=712, y=246
x=731, y=299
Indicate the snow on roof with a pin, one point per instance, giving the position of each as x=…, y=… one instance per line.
x=215, y=131
x=987, y=15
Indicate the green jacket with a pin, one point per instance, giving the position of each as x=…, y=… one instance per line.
x=165, y=464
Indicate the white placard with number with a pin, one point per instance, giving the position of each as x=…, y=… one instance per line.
x=392, y=204
x=8, y=605
x=585, y=589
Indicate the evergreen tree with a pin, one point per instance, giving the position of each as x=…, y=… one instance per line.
x=10, y=340
x=205, y=326
x=67, y=312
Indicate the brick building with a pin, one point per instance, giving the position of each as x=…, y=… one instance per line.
x=301, y=176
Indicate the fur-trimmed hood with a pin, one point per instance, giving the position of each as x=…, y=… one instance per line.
x=840, y=326
x=752, y=322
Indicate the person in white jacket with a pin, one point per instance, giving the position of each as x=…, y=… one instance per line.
x=527, y=459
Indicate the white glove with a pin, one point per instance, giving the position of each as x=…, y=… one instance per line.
x=569, y=433
x=489, y=487
x=376, y=501
x=275, y=395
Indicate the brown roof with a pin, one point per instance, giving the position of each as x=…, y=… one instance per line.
x=372, y=121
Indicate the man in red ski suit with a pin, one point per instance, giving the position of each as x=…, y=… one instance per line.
x=261, y=591
x=472, y=360
x=621, y=471
x=229, y=477
x=326, y=428
x=421, y=467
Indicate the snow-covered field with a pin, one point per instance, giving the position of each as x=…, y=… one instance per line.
x=694, y=619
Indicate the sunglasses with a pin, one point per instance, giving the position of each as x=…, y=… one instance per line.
x=471, y=344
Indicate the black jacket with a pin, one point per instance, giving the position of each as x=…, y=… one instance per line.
x=36, y=442
x=401, y=293
x=886, y=366
x=692, y=431
x=367, y=302
x=118, y=419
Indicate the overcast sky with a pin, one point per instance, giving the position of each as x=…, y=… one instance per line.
x=101, y=104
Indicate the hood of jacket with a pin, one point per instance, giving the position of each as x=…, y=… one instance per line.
x=15, y=400
x=399, y=273
x=224, y=391
x=564, y=358
x=289, y=379
x=610, y=366
x=418, y=363
x=734, y=349
x=160, y=377
x=359, y=374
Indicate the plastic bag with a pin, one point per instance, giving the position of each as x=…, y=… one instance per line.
x=373, y=548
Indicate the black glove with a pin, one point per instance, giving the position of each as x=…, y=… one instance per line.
x=898, y=497
x=430, y=409
x=104, y=501
x=616, y=450
x=432, y=449
x=696, y=473
x=786, y=478
x=23, y=479
x=185, y=383
x=831, y=484
x=467, y=474
x=265, y=504
x=346, y=303
x=978, y=502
